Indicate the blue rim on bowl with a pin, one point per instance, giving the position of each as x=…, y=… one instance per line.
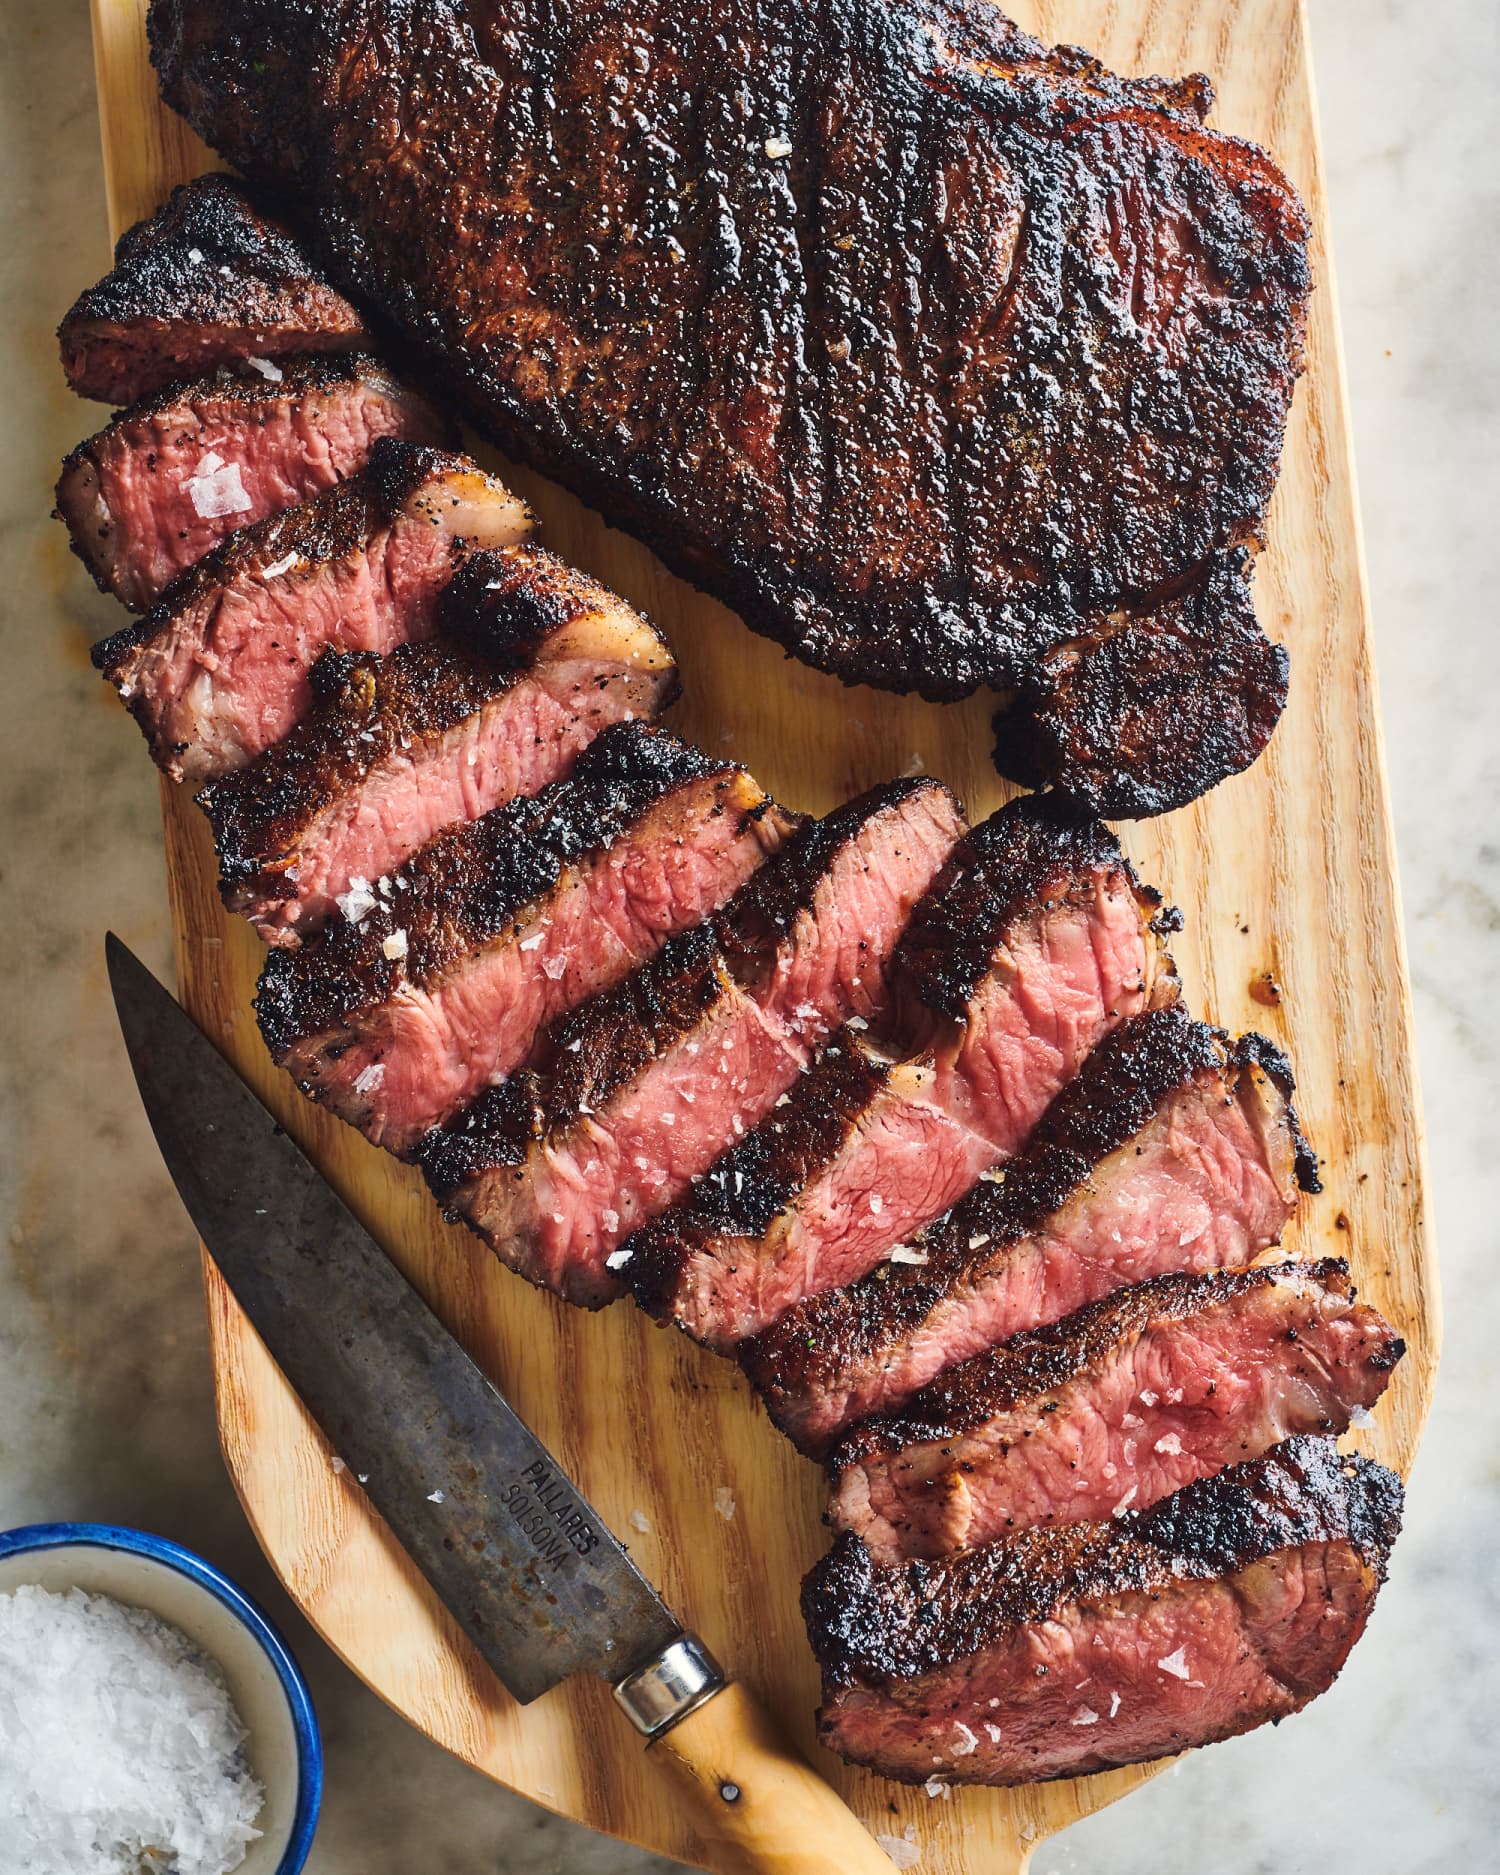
x=160, y=1549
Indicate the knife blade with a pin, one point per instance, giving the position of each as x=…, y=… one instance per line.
x=521, y=1559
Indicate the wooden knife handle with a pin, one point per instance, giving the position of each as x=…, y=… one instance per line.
x=758, y=1799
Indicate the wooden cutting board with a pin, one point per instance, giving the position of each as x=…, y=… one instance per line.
x=1286, y=875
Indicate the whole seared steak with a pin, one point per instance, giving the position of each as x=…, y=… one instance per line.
x=948, y=360
x=1061, y=1652
x=209, y=280
x=1115, y=1408
x=1171, y=1151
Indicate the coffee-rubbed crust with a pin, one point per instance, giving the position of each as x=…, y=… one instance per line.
x=208, y=257
x=330, y=527
x=1121, y=1086
x=1146, y=712
x=473, y=881
x=1033, y=1365
x=369, y=708
x=878, y=1627
x=508, y=603
x=593, y=1052
x=750, y=1184
x=958, y=353
x=1034, y=850
x=765, y=909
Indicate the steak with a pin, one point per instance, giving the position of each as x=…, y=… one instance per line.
x=810, y=1200
x=207, y=281
x=1171, y=1151
x=1034, y=942
x=650, y=1079
x=933, y=352
x=1060, y=1652
x=438, y=983
x=220, y=668
x=169, y=478
x=537, y=659
x=1117, y=1407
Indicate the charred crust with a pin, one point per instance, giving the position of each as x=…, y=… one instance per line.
x=749, y=1185
x=879, y=1627
x=1128, y=1080
x=209, y=256
x=369, y=708
x=331, y=527
x=1031, y=1366
x=1027, y=857
x=497, y=1131
x=1150, y=708
x=1255, y=1049
x=766, y=908
x=506, y=604
x=474, y=881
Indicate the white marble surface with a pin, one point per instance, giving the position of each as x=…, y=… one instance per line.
x=104, y=1386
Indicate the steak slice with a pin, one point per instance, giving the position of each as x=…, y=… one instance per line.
x=1035, y=941
x=1061, y=1652
x=170, y=477
x=931, y=351
x=440, y=982
x=207, y=281
x=817, y=1193
x=1171, y=1151
x=651, y=1078
x=536, y=661
x=1117, y=1407
x=219, y=669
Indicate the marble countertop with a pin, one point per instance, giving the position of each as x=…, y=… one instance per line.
x=105, y=1407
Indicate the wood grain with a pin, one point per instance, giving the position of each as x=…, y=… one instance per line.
x=1287, y=872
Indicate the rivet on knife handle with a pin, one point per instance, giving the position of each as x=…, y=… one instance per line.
x=759, y=1805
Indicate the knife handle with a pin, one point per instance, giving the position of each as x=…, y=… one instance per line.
x=757, y=1801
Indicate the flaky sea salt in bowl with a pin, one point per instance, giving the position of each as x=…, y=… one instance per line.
x=145, y=1686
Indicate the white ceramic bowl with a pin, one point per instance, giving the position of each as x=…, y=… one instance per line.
x=148, y=1572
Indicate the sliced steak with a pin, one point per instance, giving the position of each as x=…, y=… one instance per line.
x=1115, y=1408
x=1061, y=1652
x=171, y=476
x=1171, y=1151
x=536, y=660
x=219, y=669
x=208, y=280
x=1038, y=940
x=442, y=982
x=1035, y=942
x=653, y=1077
x=856, y=1154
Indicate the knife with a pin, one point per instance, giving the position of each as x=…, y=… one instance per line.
x=520, y=1558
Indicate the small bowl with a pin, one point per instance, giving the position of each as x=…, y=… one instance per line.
x=266, y=1684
